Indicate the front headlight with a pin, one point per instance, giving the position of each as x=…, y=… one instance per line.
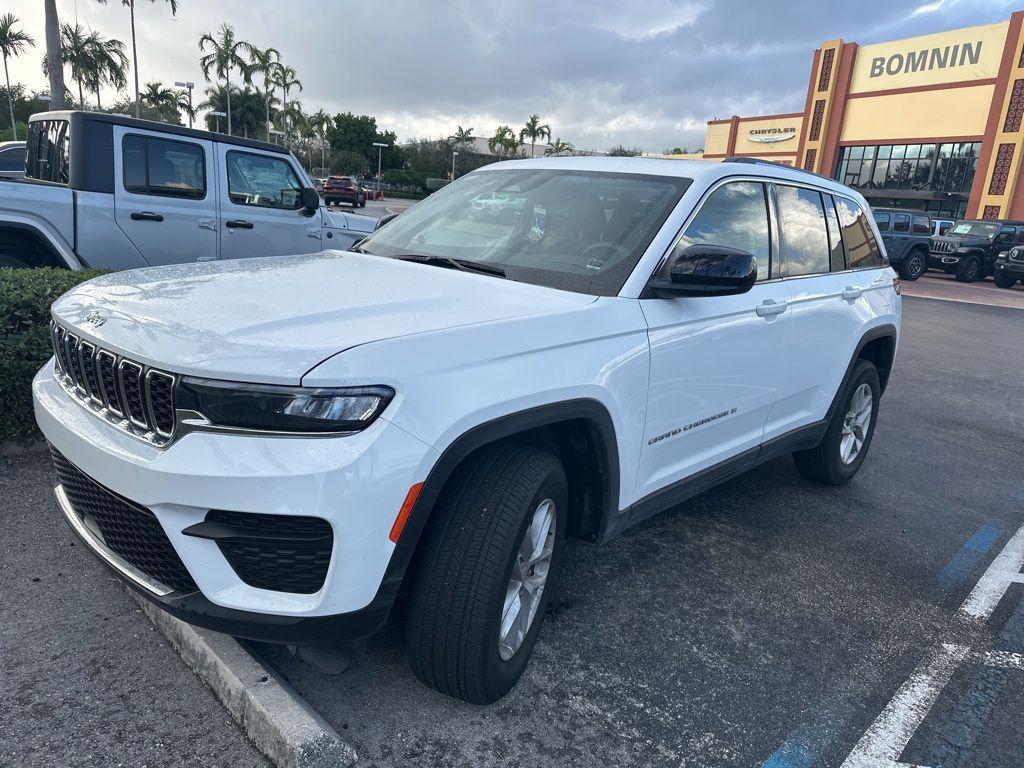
x=283, y=409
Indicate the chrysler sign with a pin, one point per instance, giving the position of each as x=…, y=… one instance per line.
x=771, y=135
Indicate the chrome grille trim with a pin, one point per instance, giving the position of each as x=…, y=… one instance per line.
x=115, y=388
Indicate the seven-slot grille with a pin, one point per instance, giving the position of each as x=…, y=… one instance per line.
x=137, y=399
x=943, y=246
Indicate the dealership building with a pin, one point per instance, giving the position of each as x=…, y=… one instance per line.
x=931, y=122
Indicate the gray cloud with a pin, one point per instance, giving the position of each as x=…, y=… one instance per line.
x=647, y=73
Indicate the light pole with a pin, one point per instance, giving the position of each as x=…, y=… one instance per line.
x=189, y=85
x=217, y=115
x=380, y=151
x=454, y=155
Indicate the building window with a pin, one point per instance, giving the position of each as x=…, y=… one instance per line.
x=940, y=168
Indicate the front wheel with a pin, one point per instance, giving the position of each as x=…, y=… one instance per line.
x=915, y=265
x=1003, y=280
x=836, y=459
x=484, y=576
x=968, y=270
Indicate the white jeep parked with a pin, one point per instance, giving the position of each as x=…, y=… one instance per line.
x=278, y=448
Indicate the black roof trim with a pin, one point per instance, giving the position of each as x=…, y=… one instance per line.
x=152, y=125
x=773, y=164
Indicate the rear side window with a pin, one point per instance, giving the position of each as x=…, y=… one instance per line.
x=882, y=220
x=901, y=222
x=922, y=225
x=862, y=251
x=161, y=167
x=804, y=238
x=49, y=151
x=12, y=159
x=734, y=216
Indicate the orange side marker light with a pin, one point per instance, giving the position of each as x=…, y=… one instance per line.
x=403, y=513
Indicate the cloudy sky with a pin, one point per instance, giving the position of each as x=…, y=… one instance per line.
x=646, y=73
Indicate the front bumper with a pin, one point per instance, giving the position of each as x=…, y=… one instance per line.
x=943, y=260
x=356, y=483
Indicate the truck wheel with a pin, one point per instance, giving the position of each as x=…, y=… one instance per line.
x=1002, y=280
x=968, y=270
x=841, y=451
x=484, y=574
x=915, y=265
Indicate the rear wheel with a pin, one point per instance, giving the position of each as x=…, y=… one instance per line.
x=484, y=575
x=915, y=265
x=968, y=270
x=1003, y=280
x=836, y=459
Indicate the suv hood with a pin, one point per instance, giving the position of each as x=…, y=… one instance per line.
x=271, y=320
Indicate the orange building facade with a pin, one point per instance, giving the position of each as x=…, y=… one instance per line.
x=931, y=122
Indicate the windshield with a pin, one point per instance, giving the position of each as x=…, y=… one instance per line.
x=575, y=230
x=975, y=228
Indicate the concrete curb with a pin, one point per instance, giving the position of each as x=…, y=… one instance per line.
x=277, y=720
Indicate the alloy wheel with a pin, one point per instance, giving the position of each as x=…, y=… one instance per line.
x=529, y=575
x=855, y=424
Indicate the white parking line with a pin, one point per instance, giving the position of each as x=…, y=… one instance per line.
x=888, y=736
x=1004, y=571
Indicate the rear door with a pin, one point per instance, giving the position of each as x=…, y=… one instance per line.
x=164, y=195
x=261, y=211
x=899, y=237
x=884, y=221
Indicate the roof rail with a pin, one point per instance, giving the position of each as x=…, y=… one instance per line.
x=759, y=161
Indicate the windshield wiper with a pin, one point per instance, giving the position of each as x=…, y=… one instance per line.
x=446, y=261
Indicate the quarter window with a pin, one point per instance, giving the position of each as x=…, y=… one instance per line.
x=862, y=249
x=49, y=151
x=160, y=167
x=263, y=182
x=901, y=222
x=922, y=225
x=804, y=238
x=837, y=257
x=734, y=216
x=882, y=220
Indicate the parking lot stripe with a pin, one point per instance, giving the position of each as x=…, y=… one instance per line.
x=1004, y=571
x=963, y=562
x=887, y=737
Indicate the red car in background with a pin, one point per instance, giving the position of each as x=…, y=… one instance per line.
x=343, y=189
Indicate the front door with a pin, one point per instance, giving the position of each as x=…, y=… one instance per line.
x=715, y=360
x=261, y=211
x=165, y=195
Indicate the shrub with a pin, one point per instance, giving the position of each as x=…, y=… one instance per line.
x=25, y=299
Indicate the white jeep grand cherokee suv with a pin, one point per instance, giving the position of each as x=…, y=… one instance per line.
x=278, y=448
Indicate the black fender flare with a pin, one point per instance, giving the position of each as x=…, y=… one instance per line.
x=886, y=331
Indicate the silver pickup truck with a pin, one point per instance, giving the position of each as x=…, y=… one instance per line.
x=112, y=192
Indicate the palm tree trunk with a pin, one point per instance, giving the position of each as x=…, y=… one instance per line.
x=81, y=95
x=227, y=91
x=99, y=107
x=10, y=101
x=284, y=111
x=323, y=148
x=53, y=64
x=532, y=143
x=268, y=114
x=135, y=60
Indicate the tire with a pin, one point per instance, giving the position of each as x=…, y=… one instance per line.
x=465, y=566
x=914, y=265
x=968, y=270
x=12, y=262
x=1001, y=278
x=825, y=463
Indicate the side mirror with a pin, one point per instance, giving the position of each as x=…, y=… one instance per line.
x=310, y=200
x=384, y=220
x=707, y=270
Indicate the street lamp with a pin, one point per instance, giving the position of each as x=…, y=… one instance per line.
x=454, y=155
x=380, y=151
x=218, y=115
x=189, y=85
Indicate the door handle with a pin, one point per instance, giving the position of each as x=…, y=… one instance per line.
x=238, y=224
x=315, y=234
x=146, y=216
x=770, y=308
x=208, y=224
x=851, y=293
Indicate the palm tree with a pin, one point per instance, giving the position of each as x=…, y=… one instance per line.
x=223, y=57
x=286, y=78
x=184, y=104
x=135, y=52
x=76, y=50
x=264, y=61
x=462, y=136
x=504, y=141
x=558, y=147
x=163, y=100
x=107, y=64
x=53, y=65
x=12, y=42
x=535, y=130
x=320, y=121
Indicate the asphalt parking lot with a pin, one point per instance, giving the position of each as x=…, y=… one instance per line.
x=768, y=622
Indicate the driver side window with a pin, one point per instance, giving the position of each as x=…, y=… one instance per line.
x=734, y=216
x=263, y=182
